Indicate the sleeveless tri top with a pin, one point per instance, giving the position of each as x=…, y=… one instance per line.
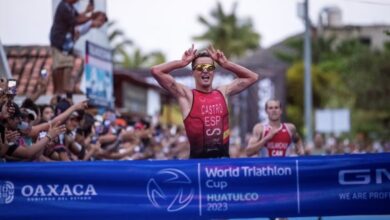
x=278, y=145
x=207, y=125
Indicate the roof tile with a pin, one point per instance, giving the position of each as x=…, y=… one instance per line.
x=26, y=63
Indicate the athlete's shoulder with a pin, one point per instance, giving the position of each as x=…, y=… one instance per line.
x=259, y=127
x=290, y=126
x=291, y=129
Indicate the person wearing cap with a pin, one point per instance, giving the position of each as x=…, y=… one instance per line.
x=33, y=109
x=13, y=121
x=204, y=109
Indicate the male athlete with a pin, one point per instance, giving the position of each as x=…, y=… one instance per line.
x=204, y=108
x=276, y=137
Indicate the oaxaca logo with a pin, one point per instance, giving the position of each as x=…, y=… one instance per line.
x=60, y=192
x=170, y=189
x=7, y=190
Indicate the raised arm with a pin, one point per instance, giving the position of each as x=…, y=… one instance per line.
x=83, y=17
x=162, y=71
x=59, y=119
x=38, y=147
x=245, y=77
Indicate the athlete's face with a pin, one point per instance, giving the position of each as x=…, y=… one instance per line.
x=203, y=72
x=274, y=111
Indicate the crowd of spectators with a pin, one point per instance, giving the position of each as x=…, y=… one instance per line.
x=67, y=131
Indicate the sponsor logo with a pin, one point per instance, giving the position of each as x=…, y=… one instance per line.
x=7, y=191
x=363, y=176
x=47, y=192
x=58, y=190
x=170, y=189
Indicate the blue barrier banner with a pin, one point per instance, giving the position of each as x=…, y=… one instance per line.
x=221, y=188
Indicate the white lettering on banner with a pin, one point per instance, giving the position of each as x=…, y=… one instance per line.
x=359, y=195
x=364, y=196
x=380, y=173
x=248, y=171
x=53, y=190
x=78, y=192
x=56, y=190
x=216, y=184
x=233, y=197
x=379, y=195
x=363, y=176
x=66, y=191
x=218, y=178
x=266, y=171
x=227, y=172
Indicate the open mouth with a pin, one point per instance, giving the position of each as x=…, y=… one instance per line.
x=205, y=77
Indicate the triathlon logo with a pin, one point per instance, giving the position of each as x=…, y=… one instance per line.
x=7, y=190
x=170, y=189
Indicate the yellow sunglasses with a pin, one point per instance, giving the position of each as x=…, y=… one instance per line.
x=204, y=67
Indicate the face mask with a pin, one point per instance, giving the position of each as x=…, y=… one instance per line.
x=23, y=126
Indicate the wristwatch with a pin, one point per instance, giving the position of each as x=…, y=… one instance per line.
x=49, y=137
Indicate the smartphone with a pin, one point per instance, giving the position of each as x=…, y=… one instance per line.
x=98, y=127
x=94, y=139
x=22, y=126
x=43, y=73
x=69, y=95
x=11, y=87
x=42, y=134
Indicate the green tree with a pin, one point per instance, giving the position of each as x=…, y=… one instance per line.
x=366, y=73
x=135, y=58
x=325, y=84
x=328, y=91
x=119, y=42
x=234, y=36
x=346, y=75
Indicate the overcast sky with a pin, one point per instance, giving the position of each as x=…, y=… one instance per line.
x=169, y=25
